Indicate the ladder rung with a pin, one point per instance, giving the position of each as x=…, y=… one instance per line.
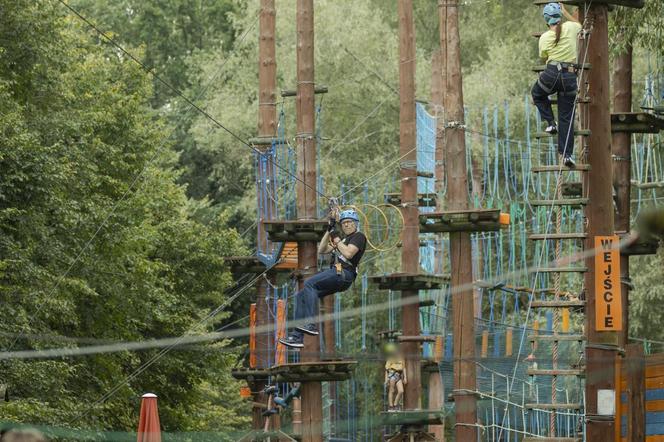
x=557, y=304
x=544, y=236
x=560, y=270
x=556, y=168
x=554, y=406
x=556, y=338
x=562, y=202
x=577, y=132
x=555, y=372
x=551, y=439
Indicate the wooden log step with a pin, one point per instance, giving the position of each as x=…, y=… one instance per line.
x=292, y=93
x=652, y=185
x=412, y=417
x=541, y=67
x=423, y=174
x=418, y=338
x=295, y=230
x=556, y=236
x=410, y=281
x=561, y=202
x=557, y=168
x=316, y=371
x=577, y=133
x=556, y=338
x=555, y=372
x=636, y=122
x=572, y=406
x=572, y=269
x=557, y=304
x=427, y=303
x=423, y=199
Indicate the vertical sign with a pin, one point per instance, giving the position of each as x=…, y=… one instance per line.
x=608, y=306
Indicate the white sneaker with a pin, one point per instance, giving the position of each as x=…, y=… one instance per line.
x=551, y=130
x=569, y=162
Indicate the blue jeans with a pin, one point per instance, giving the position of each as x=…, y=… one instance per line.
x=562, y=83
x=320, y=285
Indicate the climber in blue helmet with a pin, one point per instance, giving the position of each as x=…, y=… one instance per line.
x=346, y=254
x=557, y=47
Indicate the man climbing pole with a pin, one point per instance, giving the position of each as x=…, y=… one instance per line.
x=558, y=47
x=346, y=253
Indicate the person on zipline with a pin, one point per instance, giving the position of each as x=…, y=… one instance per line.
x=558, y=47
x=338, y=278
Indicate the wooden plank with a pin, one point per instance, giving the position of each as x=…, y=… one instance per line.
x=552, y=439
x=413, y=417
x=557, y=304
x=559, y=338
x=554, y=236
x=629, y=3
x=571, y=269
x=555, y=372
x=561, y=202
x=292, y=93
x=558, y=168
x=574, y=406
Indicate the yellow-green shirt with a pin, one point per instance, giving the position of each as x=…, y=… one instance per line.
x=565, y=50
x=395, y=364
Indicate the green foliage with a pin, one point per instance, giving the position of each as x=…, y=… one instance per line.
x=96, y=240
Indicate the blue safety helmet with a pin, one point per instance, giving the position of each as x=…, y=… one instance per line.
x=552, y=13
x=349, y=214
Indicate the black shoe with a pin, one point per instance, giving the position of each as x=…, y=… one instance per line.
x=551, y=129
x=569, y=162
x=309, y=329
x=292, y=342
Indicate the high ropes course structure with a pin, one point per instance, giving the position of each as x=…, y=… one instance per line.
x=499, y=303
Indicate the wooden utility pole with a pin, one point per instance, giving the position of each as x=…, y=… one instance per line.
x=410, y=256
x=621, y=147
x=460, y=244
x=602, y=345
x=312, y=412
x=436, y=386
x=267, y=128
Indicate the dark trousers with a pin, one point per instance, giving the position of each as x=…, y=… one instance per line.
x=562, y=83
x=318, y=286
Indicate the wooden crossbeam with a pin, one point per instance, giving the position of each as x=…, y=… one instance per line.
x=292, y=93
x=413, y=417
x=557, y=304
x=295, y=230
x=556, y=236
x=562, y=202
x=558, y=338
x=556, y=168
x=572, y=406
x=577, y=133
x=473, y=220
x=423, y=199
x=555, y=372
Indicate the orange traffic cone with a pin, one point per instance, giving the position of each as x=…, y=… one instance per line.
x=148, y=424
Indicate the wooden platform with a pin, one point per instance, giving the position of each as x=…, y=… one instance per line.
x=636, y=122
x=245, y=264
x=251, y=374
x=413, y=417
x=296, y=230
x=409, y=281
x=423, y=199
x=318, y=371
x=474, y=220
x=629, y=3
